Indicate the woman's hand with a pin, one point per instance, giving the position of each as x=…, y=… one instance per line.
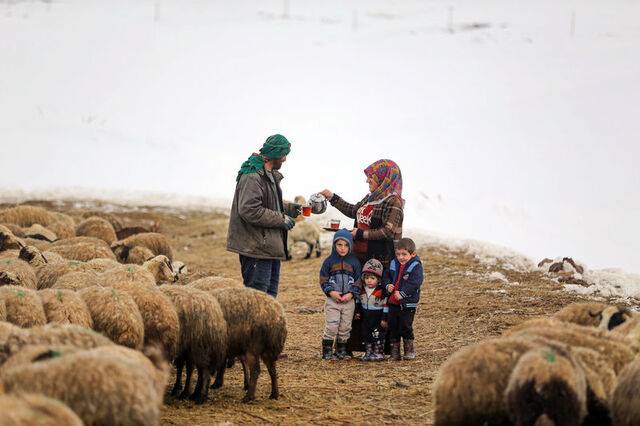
x=327, y=194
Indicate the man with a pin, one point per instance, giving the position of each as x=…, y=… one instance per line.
x=259, y=219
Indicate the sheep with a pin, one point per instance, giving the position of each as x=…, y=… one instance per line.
x=23, y=306
x=257, y=330
x=97, y=227
x=62, y=225
x=154, y=241
x=113, y=220
x=593, y=313
x=77, y=280
x=17, y=272
x=214, y=283
x=9, y=241
x=81, y=240
x=65, y=307
x=625, y=410
x=470, y=384
x=601, y=380
x=203, y=338
x=160, y=318
x=547, y=382
x=83, y=252
x=115, y=314
x=16, y=230
x=307, y=232
x=32, y=409
x=102, y=385
x=30, y=353
x=9, y=254
x=136, y=255
x=37, y=258
x=102, y=265
x=152, y=272
x=615, y=350
x=49, y=274
x=39, y=232
x=26, y=215
x=13, y=339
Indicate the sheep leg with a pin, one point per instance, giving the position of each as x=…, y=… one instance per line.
x=177, y=387
x=245, y=372
x=217, y=384
x=271, y=366
x=309, y=250
x=202, y=389
x=253, y=365
x=318, y=251
x=187, y=383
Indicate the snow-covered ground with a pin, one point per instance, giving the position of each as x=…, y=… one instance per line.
x=513, y=122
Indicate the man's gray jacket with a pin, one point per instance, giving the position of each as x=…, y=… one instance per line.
x=255, y=222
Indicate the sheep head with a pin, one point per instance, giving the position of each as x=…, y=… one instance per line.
x=613, y=316
x=121, y=251
x=9, y=278
x=8, y=241
x=160, y=267
x=32, y=256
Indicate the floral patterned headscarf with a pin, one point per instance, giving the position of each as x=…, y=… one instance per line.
x=387, y=175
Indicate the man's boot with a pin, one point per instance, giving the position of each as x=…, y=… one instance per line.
x=327, y=349
x=409, y=352
x=378, y=352
x=341, y=349
x=395, y=351
x=368, y=353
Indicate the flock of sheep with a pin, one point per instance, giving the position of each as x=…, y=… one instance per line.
x=89, y=318
x=578, y=367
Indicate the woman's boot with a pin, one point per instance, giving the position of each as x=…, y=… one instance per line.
x=395, y=351
x=327, y=349
x=409, y=352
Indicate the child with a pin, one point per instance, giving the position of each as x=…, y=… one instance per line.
x=371, y=303
x=402, y=289
x=338, y=277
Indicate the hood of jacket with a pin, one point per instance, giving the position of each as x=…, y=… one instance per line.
x=343, y=234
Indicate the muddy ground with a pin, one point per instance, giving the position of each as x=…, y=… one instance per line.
x=460, y=305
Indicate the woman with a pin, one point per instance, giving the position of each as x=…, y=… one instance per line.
x=378, y=221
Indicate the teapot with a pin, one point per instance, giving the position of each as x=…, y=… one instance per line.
x=318, y=203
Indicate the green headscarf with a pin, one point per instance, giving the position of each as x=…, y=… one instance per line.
x=275, y=146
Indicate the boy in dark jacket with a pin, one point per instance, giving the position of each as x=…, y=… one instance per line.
x=403, y=281
x=338, y=276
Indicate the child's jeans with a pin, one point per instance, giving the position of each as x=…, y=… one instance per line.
x=337, y=319
x=400, y=322
x=371, y=332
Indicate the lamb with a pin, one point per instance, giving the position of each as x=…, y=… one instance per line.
x=100, y=385
x=97, y=227
x=23, y=306
x=13, y=339
x=307, y=232
x=256, y=330
x=625, y=410
x=82, y=252
x=161, y=323
x=17, y=272
x=115, y=314
x=65, y=307
x=32, y=409
x=593, y=313
x=214, y=283
x=152, y=272
x=547, y=383
x=154, y=241
x=203, y=338
x=470, y=384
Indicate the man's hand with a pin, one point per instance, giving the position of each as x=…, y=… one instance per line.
x=335, y=296
x=288, y=223
x=327, y=194
x=296, y=210
x=347, y=297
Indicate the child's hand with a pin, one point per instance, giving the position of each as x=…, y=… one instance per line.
x=335, y=296
x=347, y=297
x=397, y=295
x=383, y=324
x=356, y=316
x=389, y=288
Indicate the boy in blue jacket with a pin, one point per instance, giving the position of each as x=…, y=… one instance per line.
x=338, y=279
x=402, y=288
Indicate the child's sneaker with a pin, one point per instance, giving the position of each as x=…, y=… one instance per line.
x=368, y=354
x=409, y=352
x=378, y=352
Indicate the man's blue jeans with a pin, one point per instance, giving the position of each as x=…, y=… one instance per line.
x=261, y=274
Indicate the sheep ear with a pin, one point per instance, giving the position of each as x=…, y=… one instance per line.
x=152, y=257
x=616, y=319
x=47, y=355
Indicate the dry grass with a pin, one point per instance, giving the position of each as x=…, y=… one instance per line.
x=459, y=306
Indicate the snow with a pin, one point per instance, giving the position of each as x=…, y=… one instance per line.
x=509, y=127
